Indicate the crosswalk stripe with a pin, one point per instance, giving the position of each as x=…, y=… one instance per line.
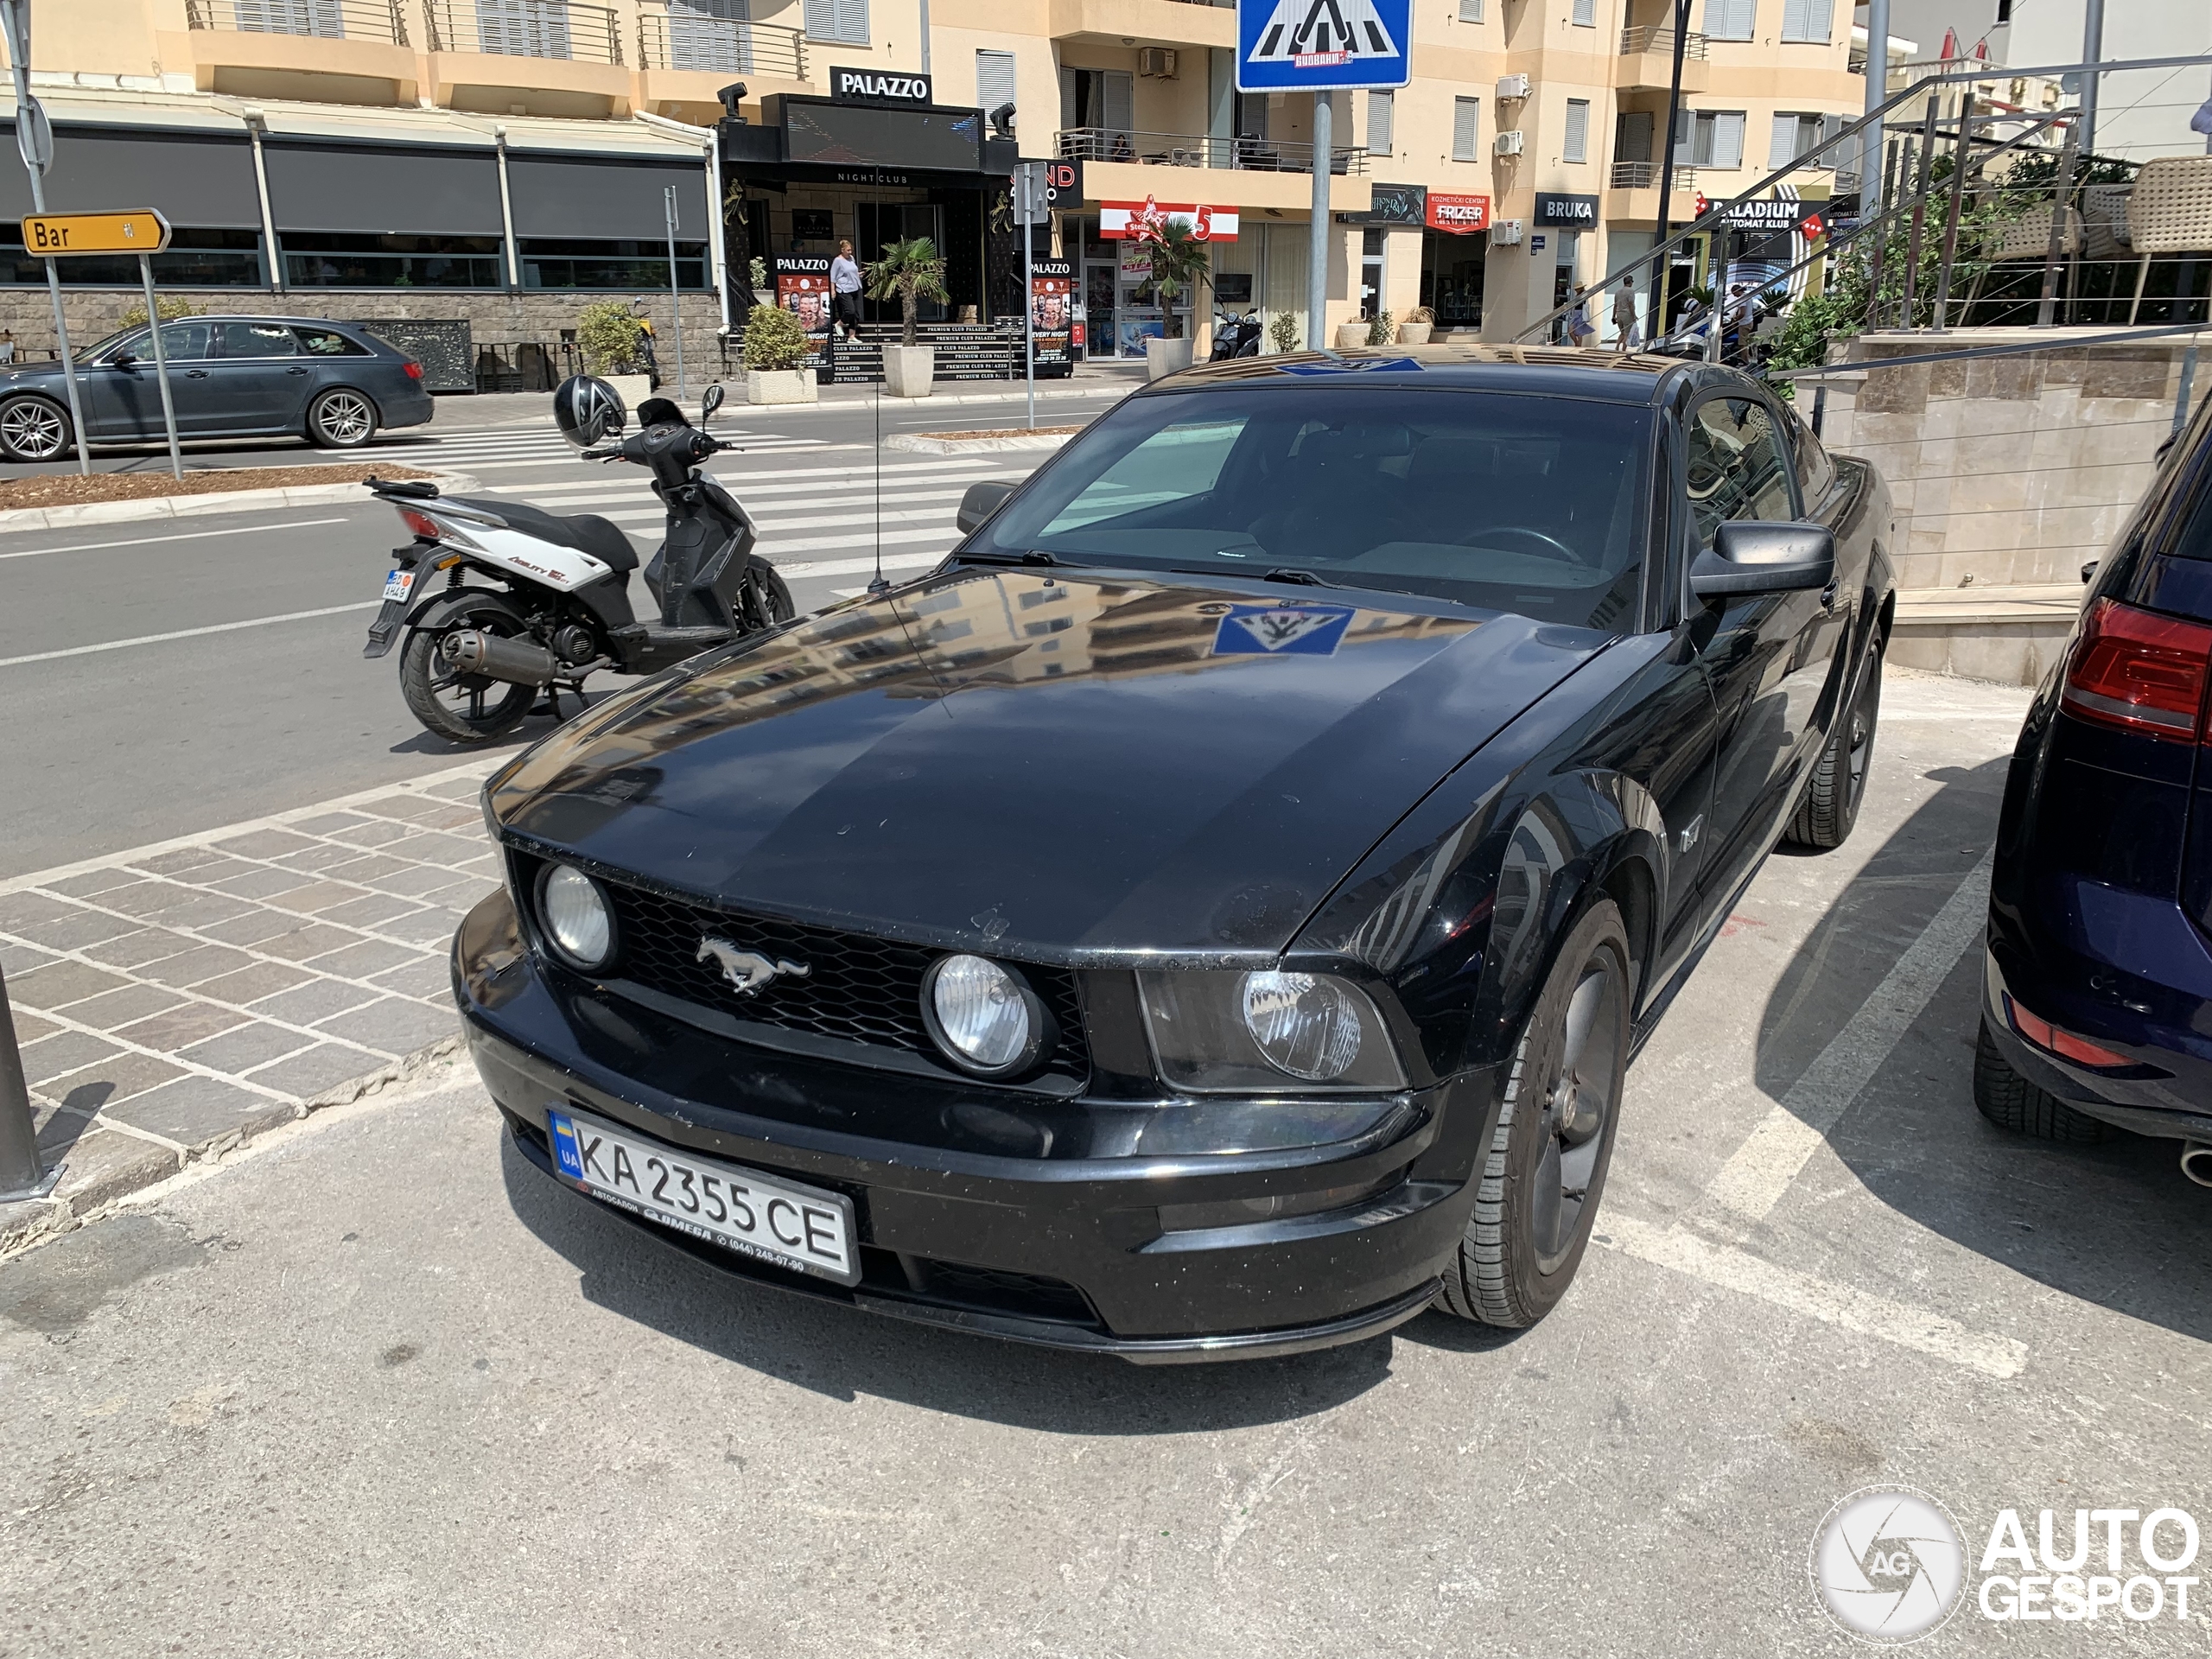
x=596, y=499
x=805, y=568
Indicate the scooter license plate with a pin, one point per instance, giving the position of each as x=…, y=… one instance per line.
x=399, y=584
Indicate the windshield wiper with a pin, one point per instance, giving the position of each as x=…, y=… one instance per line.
x=1301, y=578
x=1033, y=556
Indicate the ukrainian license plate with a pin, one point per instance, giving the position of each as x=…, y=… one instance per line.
x=755, y=1215
x=399, y=584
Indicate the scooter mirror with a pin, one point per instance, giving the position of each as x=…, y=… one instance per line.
x=587, y=411
x=711, y=403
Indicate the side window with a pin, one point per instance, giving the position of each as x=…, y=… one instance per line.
x=138, y=344
x=1815, y=471
x=257, y=340
x=1737, y=465
x=328, y=343
x=185, y=342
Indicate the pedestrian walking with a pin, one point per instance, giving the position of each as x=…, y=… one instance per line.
x=1625, y=319
x=844, y=291
x=1579, y=329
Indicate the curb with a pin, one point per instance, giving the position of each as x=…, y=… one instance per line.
x=189, y=506
x=929, y=446
x=25, y=1225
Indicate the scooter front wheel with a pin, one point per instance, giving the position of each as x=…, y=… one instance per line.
x=463, y=708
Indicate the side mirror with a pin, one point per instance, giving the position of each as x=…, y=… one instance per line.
x=124, y=359
x=2088, y=573
x=711, y=403
x=981, y=502
x=1749, y=557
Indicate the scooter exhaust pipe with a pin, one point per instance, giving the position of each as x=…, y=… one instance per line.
x=2196, y=1161
x=518, y=662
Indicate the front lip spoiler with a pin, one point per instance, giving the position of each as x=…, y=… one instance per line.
x=1037, y=1333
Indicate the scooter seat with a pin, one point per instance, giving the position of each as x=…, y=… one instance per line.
x=587, y=532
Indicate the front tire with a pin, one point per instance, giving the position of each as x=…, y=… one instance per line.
x=463, y=708
x=1825, y=817
x=2011, y=1103
x=33, y=429
x=341, y=418
x=1544, y=1170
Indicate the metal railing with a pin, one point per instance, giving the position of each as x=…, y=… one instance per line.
x=1660, y=37
x=524, y=29
x=330, y=20
x=1644, y=175
x=1247, y=153
x=670, y=39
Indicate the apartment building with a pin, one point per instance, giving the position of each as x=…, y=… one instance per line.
x=499, y=161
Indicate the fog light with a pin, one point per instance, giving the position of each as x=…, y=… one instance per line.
x=576, y=917
x=982, y=1016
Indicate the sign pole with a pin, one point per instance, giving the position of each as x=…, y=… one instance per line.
x=1317, y=257
x=1026, y=175
x=675, y=290
x=35, y=138
x=160, y=366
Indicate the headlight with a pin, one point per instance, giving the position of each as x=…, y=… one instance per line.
x=1267, y=1032
x=982, y=1016
x=576, y=917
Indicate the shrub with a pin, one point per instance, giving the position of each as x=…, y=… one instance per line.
x=1382, y=329
x=773, y=339
x=608, y=336
x=1283, y=331
x=909, y=272
x=170, y=307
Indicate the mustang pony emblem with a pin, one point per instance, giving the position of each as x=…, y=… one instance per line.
x=748, y=970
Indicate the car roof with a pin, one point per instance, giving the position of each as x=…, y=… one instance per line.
x=1542, y=370
x=258, y=316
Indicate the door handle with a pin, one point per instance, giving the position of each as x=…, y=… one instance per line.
x=295, y=370
x=195, y=374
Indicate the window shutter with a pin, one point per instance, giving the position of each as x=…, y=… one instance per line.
x=1731, y=20
x=1470, y=12
x=1808, y=20
x=1687, y=135
x=1380, y=136
x=852, y=21
x=1466, y=128
x=1120, y=101
x=1728, y=139
x=995, y=79
x=1632, y=136
x=1577, y=148
x=1783, y=149
x=821, y=19
x=1794, y=13
x=1586, y=13
x=1071, y=101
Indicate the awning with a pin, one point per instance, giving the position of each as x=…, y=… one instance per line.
x=611, y=199
x=200, y=180
x=417, y=191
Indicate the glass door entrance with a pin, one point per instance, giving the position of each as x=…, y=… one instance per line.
x=885, y=222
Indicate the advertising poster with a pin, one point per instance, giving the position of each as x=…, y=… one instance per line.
x=1052, y=312
x=803, y=290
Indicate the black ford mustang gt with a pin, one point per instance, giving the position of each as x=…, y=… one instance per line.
x=1212, y=914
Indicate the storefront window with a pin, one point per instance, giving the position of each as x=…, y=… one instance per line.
x=1451, y=270
x=617, y=265
x=193, y=259
x=352, y=259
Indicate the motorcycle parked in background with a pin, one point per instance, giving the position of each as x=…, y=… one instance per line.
x=1235, y=336
x=535, y=601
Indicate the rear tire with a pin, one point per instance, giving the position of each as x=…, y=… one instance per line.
x=781, y=607
x=464, y=708
x=33, y=429
x=2013, y=1103
x=1825, y=817
x=1544, y=1170
x=341, y=418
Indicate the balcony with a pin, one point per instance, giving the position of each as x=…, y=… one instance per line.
x=1196, y=150
x=523, y=28
x=1152, y=23
x=691, y=41
x=1648, y=59
x=1251, y=175
x=335, y=51
x=1644, y=175
x=527, y=57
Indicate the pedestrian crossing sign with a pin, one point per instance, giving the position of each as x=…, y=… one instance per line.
x=1323, y=45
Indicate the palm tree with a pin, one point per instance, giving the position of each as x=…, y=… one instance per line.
x=1180, y=261
x=914, y=271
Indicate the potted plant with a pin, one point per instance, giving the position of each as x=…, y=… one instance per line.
x=1352, y=335
x=1180, y=264
x=776, y=348
x=911, y=271
x=1420, y=323
x=1382, y=329
x=611, y=341
x=1283, y=333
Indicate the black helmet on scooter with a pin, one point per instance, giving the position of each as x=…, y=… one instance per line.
x=587, y=411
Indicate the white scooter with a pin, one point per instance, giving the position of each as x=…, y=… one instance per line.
x=534, y=601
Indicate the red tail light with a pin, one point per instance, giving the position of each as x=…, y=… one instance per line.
x=2140, y=671
x=420, y=523
x=2058, y=1039
x=414, y=369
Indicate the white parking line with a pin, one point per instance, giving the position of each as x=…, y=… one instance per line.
x=187, y=633
x=182, y=536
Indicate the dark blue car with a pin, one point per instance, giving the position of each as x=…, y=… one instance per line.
x=2098, y=1013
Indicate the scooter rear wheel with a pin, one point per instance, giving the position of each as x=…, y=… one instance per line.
x=463, y=708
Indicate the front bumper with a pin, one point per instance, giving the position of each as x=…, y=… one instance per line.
x=1061, y=1251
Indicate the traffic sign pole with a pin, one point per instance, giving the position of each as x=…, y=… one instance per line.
x=31, y=131
x=160, y=368
x=1027, y=175
x=1317, y=260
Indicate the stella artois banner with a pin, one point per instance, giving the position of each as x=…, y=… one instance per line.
x=1147, y=220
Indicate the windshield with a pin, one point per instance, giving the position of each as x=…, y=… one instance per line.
x=1512, y=503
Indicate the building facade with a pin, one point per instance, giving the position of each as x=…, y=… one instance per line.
x=502, y=161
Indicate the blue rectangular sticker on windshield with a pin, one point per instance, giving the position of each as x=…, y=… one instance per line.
x=1359, y=366
x=566, y=1152
x=1283, y=630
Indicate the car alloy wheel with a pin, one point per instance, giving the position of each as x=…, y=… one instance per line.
x=33, y=429
x=343, y=420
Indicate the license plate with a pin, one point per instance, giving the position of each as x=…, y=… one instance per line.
x=399, y=584
x=741, y=1209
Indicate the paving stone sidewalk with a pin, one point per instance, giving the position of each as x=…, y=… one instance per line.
x=175, y=1001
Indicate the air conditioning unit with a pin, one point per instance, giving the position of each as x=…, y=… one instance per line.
x=1508, y=143
x=1156, y=62
x=1513, y=86
x=1505, y=233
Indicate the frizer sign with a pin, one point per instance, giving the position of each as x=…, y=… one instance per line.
x=1285, y=45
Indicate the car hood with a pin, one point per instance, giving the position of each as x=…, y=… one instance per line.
x=1057, y=767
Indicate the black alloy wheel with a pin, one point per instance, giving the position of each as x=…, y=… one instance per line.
x=341, y=418
x=1824, y=818
x=465, y=707
x=1544, y=1170
x=31, y=430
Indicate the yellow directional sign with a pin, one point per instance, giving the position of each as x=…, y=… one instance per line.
x=55, y=236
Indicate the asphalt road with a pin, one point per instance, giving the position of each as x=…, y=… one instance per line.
x=161, y=677
x=379, y=1388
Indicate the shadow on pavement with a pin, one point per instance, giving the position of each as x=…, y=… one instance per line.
x=843, y=1353
x=2117, y=1224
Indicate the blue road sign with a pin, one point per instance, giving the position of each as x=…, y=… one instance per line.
x=1315, y=46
